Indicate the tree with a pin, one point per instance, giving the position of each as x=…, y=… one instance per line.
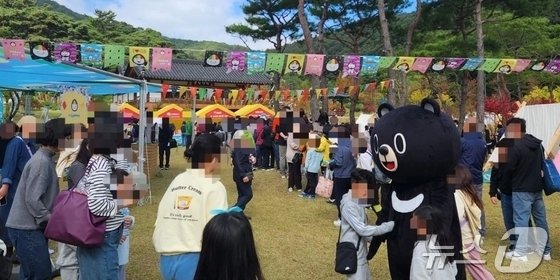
x=271, y=20
x=104, y=20
x=480, y=78
x=387, y=47
x=308, y=38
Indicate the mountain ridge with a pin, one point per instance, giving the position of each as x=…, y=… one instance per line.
x=178, y=43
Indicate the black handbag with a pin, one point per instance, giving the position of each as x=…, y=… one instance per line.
x=346, y=261
x=172, y=143
x=298, y=158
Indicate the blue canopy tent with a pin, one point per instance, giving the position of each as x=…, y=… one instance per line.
x=41, y=75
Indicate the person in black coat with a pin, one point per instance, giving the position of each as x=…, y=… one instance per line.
x=165, y=136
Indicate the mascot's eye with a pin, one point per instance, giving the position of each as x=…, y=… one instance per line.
x=400, y=143
x=375, y=144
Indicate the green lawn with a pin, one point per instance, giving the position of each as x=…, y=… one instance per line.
x=296, y=238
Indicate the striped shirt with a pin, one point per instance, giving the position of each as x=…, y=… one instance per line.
x=96, y=184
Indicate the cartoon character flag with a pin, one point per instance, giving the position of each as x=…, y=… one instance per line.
x=113, y=56
x=421, y=64
x=370, y=65
x=404, y=64
x=506, y=66
x=332, y=65
x=553, y=67
x=139, y=56
x=256, y=62
x=162, y=59
x=521, y=65
x=472, y=64
x=351, y=66
x=295, y=64
x=74, y=107
x=438, y=64
x=275, y=62
x=92, y=54
x=41, y=50
x=66, y=52
x=539, y=65
x=489, y=65
x=314, y=64
x=213, y=58
x=235, y=62
x=455, y=63
x=14, y=49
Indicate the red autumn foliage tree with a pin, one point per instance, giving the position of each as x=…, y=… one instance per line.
x=501, y=104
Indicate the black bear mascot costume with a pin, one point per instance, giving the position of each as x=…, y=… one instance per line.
x=417, y=147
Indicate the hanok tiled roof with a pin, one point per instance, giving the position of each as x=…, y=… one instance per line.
x=194, y=70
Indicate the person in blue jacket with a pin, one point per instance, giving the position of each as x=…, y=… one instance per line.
x=473, y=155
x=343, y=164
x=16, y=155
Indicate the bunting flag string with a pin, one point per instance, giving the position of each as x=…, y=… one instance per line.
x=156, y=58
x=252, y=95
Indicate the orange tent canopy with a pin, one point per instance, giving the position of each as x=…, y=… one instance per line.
x=171, y=111
x=255, y=111
x=129, y=111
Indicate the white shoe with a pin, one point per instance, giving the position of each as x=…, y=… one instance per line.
x=545, y=257
x=283, y=177
x=516, y=257
x=290, y=189
x=337, y=223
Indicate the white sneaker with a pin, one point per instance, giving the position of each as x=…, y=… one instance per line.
x=337, y=223
x=545, y=257
x=283, y=177
x=516, y=257
x=290, y=189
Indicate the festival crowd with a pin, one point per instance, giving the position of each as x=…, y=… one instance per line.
x=198, y=235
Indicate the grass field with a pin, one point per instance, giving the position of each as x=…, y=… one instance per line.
x=296, y=238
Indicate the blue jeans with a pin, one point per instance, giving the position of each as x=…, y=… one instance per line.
x=507, y=213
x=101, y=262
x=179, y=267
x=33, y=252
x=525, y=205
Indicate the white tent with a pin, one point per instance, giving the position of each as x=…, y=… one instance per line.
x=363, y=120
x=542, y=122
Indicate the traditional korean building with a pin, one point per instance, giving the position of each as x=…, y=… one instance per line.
x=186, y=74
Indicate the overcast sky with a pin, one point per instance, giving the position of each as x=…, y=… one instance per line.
x=183, y=19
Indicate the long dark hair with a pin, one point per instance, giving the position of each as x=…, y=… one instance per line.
x=84, y=154
x=432, y=217
x=228, y=250
x=464, y=183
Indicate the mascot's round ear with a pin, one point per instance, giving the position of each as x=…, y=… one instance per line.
x=430, y=105
x=384, y=109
